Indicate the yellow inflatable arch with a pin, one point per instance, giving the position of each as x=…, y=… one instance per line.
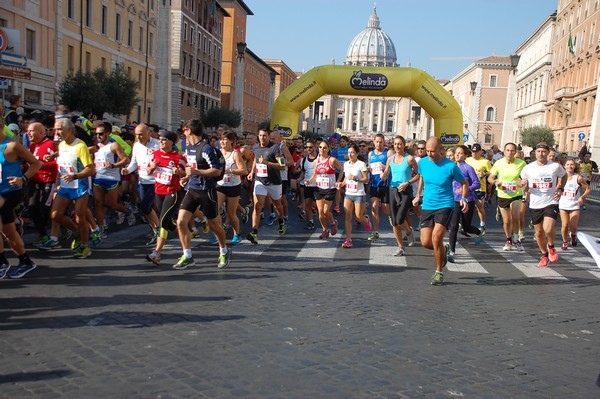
x=369, y=81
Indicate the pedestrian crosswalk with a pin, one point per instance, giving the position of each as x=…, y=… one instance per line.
x=306, y=247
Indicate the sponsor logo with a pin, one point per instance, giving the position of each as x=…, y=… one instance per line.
x=283, y=130
x=368, y=81
x=449, y=139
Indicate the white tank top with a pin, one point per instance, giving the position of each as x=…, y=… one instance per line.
x=230, y=180
x=103, y=158
x=571, y=194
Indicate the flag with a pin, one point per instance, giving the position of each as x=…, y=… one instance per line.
x=570, y=44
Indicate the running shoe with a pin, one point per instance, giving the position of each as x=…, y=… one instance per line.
x=464, y=233
x=478, y=239
x=4, y=269
x=152, y=240
x=583, y=207
x=367, y=223
x=154, y=257
x=245, y=214
x=282, y=228
x=41, y=239
x=21, y=270
x=75, y=243
x=336, y=209
x=482, y=229
x=334, y=227
x=519, y=246
x=183, y=263
x=226, y=227
x=374, y=236
x=205, y=227
x=103, y=232
x=224, y=259
x=95, y=238
x=507, y=246
x=451, y=257
x=565, y=246
x=347, y=243
x=272, y=219
x=302, y=215
x=411, y=238
x=19, y=226
x=543, y=261
x=120, y=218
x=195, y=234
x=446, y=252
x=310, y=225
x=130, y=218
x=530, y=225
x=573, y=240
x=213, y=240
x=552, y=255
x=83, y=252
x=252, y=237
x=521, y=236
x=437, y=279
x=324, y=234
x=399, y=252
x=236, y=239
x=498, y=215
x=50, y=245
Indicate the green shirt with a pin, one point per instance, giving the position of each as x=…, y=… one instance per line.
x=508, y=174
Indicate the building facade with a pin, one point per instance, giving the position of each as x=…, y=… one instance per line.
x=189, y=60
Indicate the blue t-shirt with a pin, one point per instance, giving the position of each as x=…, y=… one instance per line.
x=437, y=180
x=377, y=164
x=341, y=154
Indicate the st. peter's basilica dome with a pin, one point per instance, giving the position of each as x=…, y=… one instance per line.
x=371, y=47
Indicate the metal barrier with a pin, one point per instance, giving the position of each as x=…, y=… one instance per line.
x=595, y=185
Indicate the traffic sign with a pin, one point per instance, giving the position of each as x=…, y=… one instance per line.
x=3, y=40
x=3, y=83
x=7, y=58
x=581, y=136
x=465, y=137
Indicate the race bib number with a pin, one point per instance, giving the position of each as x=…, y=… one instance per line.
x=569, y=194
x=323, y=181
x=351, y=186
x=261, y=170
x=509, y=187
x=163, y=175
x=586, y=176
x=66, y=165
x=100, y=162
x=227, y=178
x=191, y=161
x=541, y=184
x=376, y=168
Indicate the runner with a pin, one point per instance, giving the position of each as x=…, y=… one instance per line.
x=458, y=217
x=168, y=167
x=545, y=180
x=482, y=167
x=505, y=176
x=307, y=171
x=268, y=163
x=355, y=200
x=378, y=187
x=436, y=176
x=324, y=177
x=570, y=202
x=403, y=169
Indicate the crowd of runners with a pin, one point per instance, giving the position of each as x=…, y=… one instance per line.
x=192, y=180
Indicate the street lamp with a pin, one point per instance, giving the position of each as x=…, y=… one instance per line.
x=239, y=82
x=514, y=61
x=473, y=87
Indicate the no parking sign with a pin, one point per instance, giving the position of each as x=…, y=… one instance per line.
x=3, y=40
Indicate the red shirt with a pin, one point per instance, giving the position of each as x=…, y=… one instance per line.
x=49, y=170
x=166, y=181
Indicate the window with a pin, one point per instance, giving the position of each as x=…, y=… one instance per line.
x=30, y=50
x=130, y=33
x=192, y=36
x=104, y=27
x=103, y=63
x=89, y=6
x=149, y=83
x=88, y=61
x=493, y=81
x=3, y=23
x=71, y=9
x=129, y=71
x=139, y=79
x=185, y=31
x=151, y=44
x=118, y=27
x=490, y=114
x=70, y=57
x=152, y=4
x=141, y=38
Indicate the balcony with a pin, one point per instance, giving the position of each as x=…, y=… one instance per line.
x=563, y=92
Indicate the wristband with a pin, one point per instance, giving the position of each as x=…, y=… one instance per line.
x=464, y=199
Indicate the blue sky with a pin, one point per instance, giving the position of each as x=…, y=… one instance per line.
x=308, y=33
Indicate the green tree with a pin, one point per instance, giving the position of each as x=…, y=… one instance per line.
x=216, y=116
x=533, y=135
x=99, y=91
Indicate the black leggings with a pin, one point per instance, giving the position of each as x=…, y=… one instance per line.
x=400, y=204
x=168, y=205
x=465, y=220
x=38, y=209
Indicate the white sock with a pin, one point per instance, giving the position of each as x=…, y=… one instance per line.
x=187, y=253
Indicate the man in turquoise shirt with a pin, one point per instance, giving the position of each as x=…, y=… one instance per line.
x=437, y=173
